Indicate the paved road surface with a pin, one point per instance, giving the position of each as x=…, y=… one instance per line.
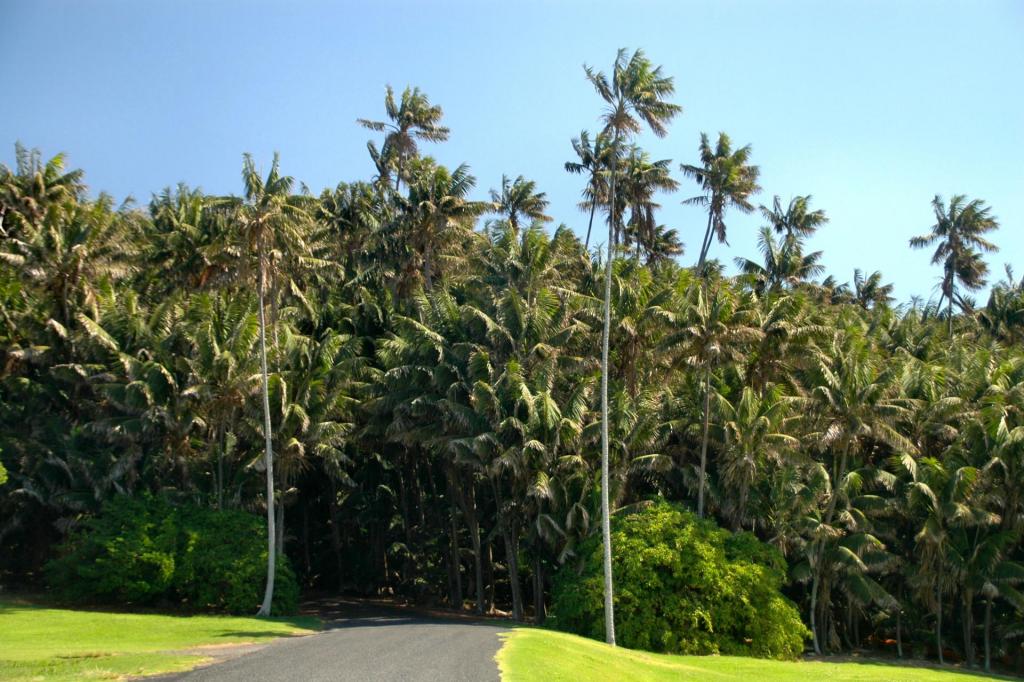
x=370, y=646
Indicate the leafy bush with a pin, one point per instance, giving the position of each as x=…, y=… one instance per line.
x=684, y=586
x=147, y=551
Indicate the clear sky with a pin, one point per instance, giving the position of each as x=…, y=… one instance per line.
x=872, y=106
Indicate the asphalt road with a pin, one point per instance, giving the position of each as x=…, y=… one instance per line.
x=370, y=646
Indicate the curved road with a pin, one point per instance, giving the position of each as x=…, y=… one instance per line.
x=383, y=645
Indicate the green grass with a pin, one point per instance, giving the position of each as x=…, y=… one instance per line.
x=529, y=654
x=40, y=643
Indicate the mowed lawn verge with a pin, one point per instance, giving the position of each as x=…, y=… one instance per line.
x=535, y=655
x=43, y=643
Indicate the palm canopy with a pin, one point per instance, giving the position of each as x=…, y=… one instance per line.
x=635, y=94
x=33, y=185
x=412, y=119
x=797, y=219
x=520, y=199
x=437, y=220
x=642, y=180
x=727, y=179
x=785, y=263
x=958, y=236
x=594, y=160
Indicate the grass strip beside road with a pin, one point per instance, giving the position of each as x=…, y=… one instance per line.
x=54, y=644
x=535, y=655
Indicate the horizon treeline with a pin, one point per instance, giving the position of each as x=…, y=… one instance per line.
x=422, y=359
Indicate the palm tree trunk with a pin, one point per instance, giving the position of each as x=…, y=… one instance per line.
x=511, y=555
x=968, y=625
x=899, y=632
x=489, y=570
x=988, y=634
x=453, y=549
x=539, y=612
x=280, y=522
x=704, y=441
x=705, y=245
x=221, y=442
x=335, y=535
x=590, y=224
x=938, y=622
x=814, y=611
x=606, y=529
x=268, y=595
x=283, y=483
x=473, y=523
x=949, y=313
x=428, y=268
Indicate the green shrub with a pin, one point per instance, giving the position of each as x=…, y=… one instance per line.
x=147, y=551
x=683, y=586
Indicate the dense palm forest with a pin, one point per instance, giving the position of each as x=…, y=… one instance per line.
x=404, y=375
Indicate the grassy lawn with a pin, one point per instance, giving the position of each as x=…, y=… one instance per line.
x=530, y=654
x=40, y=643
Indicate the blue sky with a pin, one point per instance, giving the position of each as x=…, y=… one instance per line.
x=872, y=107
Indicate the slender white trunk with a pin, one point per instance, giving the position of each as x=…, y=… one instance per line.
x=705, y=246
x=590, y=224
x=606, y=529
x=268, y=595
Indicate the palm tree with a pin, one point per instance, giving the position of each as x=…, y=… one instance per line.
x=796, y=219
x=785, y=264
x=593, y=161
x=958, y=232
x=754, y=434
x=664, y=245
x=71, y=252
x=437, y=220
x=714, y=331
x=869, y=291
x=1003, y=315
x=187, y=236
x=222, y=335
x=271, y=224
x=415, y=118
x=854, y=407
x=32, y=186
x=520, y=199
x=635, y=94
x=727, y=179
x=642, y=179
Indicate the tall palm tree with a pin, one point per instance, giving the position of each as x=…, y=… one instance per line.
x=593, y=162
x=727, y=179
x=519, y=199
x=854, y=407
x=785, y=263
x=642, y=178
x=714, y=331
x=796, y=219
x=958, y=232
x=271, y=224
x=413, y=119
x=635, y=94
